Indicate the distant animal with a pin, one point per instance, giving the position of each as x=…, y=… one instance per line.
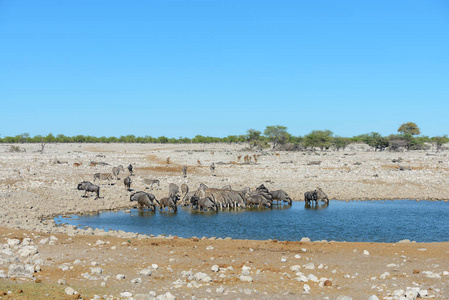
x=169, y=202
x=144, y=199
x=130, y=169
x=116, y=171
x=255, y=159
x=184, y=171
x=310, y=196
x=152, y=182
x=277, y=154
x=280, y=195
x=258, y=200
x=212, y=153
x=87, y=186
x=93, y=164
x=198, y=162
x=203, y=203
x=238, y=158
x=321, y=196
x=168, y=160
x=77, y=165
x=127, y=181
x=212, y=168
x=184, y=188
x=173, y=190
x=103, y=176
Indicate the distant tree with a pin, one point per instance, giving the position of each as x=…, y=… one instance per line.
x=23, y=138
x=277, y=134
x=440, y=141
x=375, y=140
x=253, y=137
x=340, y=142
x=409, y=128
x=318, y=139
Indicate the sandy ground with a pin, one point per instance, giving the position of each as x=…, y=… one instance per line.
x=34, y=187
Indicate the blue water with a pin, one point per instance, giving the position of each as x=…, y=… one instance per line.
x=353, y=221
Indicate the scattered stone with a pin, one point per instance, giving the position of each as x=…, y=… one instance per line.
x=69, y=291
x=137, y=280
x=306, y=288
x=215, y=268
x=99, y=243
x=154, y=266
x=20, y=270
x=343, y=298
x=126, y=294
x=297, y=256
x=391, y=265
x=210, y=248
x=309, y=266
x=96, y=270
x=295, y=268
x=384, y=275
x=146, y=272
x=415, y=271
x=62, y=282
x=246, y=278
x=305, y=240
x=328, y=283
x=283, y=260
x=365, y=252
x=373, y=297
x=120, y=276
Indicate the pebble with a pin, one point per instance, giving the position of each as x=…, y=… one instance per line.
x=306, y=288
x=120, y=276
x=69, y=291
x=309, y=266
x=365, y=252
x=373, y=297
x=246, y=278
x=295, y=268
x=146, y=272
x=215, y=268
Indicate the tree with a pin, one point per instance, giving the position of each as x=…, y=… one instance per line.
x=318, y=138
x=277, y=134
x=409, y=128
x=374, y=139
x=252, y=137
x=340, y=142
x=440, y=141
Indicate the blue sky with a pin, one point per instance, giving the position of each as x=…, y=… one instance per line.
x=218, y=68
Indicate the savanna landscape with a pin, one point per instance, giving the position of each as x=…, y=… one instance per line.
x=66, y=262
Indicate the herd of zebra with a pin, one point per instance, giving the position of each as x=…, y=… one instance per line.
x=203, y=198
x=211, y=199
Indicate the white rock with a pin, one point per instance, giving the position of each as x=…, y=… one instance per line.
x=44, y=241
x=28, y=251
x=309, y=266
x=96, y=270
x=53, y=238
x=220, y=290
x=302, y=278
x=13, y=242
x=445, y=273
x=306, y=288
x=99, y=243
x=215, y=268
x=69, y=291
x=145, y=272
x=398, y=293
x=246, y=278
x=373, y=297
x=77, y=262
x=154, y=266
x=305, y=239
x=120, y=276
x=297, y=256
x=423, y=293
x=126, y=294
x=210, y=248
x=384, y=275
x=411, y=294
x=283, y=260
x=136, y=280
x=312, y=277
x=365, y=252
x=295, y=268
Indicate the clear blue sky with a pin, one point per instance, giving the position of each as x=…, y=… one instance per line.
x=218, y=68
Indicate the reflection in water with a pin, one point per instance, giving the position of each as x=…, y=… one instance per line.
x=357, y=221
x=316, y=205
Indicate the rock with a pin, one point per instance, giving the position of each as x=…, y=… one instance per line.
x=136, y=280
x=306, y=288
x=365, y=252
x=246, y=278
x=13, y=242
x=391, y=265
x=411, y=294
x=70, y=291
x=295, y=268
x=423, y=293
x=302, y=278
x=145, y=272
x=384, y=275
x=309, y=266
x=210, y=248
x=343, y=298
x=62, y=281
x=77, y=262
x=415, y=271
x=120, y=276
x=20, y=270
x=220, y=290
x=126, y=294
x=312, y=277
x=305, y=240
x=328, y=283
x=44, y=241
x=215, y=268
x=373, y=297
x=99, y=243
x=96, y=270
x=283, y=260
x=28, y=251
x=154, y=266
x=297, y=256
x=403, y=241
x=143, y=297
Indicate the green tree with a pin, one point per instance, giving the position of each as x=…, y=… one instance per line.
x=340, y=142
x=440, y=141
x=409, y=128
x=318, y=138
x=277, y=134
x=375, y=140
x=253, y=137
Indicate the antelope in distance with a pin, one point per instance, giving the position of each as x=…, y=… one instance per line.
x=77, y=165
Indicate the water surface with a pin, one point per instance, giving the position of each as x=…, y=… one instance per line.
x=353, y=221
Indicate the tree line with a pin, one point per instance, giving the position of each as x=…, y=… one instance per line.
x=408, y=137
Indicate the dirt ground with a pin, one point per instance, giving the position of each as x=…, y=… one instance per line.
x=35, y=186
